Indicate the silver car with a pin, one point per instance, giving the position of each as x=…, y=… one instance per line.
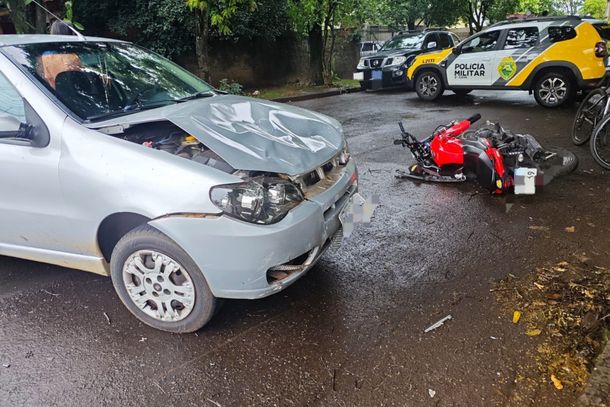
x=116, y=161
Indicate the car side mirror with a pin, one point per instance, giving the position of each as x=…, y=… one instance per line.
x=431, y=45
x=11, y=127
x=456, y=50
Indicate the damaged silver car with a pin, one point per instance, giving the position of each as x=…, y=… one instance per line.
x=116, y=161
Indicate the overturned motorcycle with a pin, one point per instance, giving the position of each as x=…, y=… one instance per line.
x=498, y=159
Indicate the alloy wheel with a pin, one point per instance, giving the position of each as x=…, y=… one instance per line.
x=553, y=90
x=159, y=286
x=428, y=85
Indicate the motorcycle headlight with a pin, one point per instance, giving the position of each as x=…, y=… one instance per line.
x=396, y=61
x=261, y=200
x=360, y=64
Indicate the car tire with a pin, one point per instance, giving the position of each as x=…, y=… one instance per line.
x=461, y=92
x=554, y=89
x=149, y=271
x=429, y=85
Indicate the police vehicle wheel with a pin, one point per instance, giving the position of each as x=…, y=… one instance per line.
x=429, y=85
x=553, y=89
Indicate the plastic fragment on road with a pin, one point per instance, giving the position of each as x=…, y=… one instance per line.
x=437, y=324
x=6, y=365
x=533, y=332
x=432, y=393
x=516, y=317
x=556, y=382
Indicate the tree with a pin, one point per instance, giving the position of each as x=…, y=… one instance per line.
x=595, y=8
x=412, y=13
x=18, y=10
x=480, y=12
x=213, y=13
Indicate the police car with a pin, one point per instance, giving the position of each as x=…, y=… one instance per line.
x=551, y=57
x=386, y=68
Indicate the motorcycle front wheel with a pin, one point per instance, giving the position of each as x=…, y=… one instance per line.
x=562, y=163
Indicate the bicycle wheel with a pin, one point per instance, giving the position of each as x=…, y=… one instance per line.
x=588, y=115
x=600, y=143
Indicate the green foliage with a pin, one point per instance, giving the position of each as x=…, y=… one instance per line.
x=165, y=26
x=232, y=88
x=595, y=8
x=220, y=12
x=269, y=21
x=18, y=13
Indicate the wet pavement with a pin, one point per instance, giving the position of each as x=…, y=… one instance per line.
x=351, y=331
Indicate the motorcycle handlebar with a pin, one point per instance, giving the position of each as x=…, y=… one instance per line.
x=474, y=118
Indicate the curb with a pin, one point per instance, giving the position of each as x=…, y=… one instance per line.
x=334, y=92
x=597, y=390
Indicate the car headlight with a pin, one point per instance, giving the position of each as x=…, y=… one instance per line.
x=361, y=64
x=396, y=61
x=261, y=200
x=344, y=156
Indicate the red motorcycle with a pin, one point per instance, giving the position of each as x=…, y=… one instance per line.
x=500, y=160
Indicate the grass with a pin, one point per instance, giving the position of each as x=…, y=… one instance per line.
x=297, y=89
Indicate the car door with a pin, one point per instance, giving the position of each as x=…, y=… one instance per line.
x=517, y=50
x=430, y=43
x=31, y=207
x=473, y=64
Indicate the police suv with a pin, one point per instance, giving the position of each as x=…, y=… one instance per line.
x=551, y=57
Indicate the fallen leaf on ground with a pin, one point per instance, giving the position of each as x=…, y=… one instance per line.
x=516, y=317
x=533, y=332
x=556, y=382
x=570, y=229
x=544, y=228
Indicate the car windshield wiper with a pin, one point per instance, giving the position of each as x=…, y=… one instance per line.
x=198, y=95
x=130, y=109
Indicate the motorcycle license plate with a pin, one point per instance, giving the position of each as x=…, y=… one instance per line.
x=525, y=181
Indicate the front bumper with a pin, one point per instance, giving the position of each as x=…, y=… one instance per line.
x=235, y=257
x=387, y=77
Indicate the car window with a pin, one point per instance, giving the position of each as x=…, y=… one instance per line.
x=563, y=33
x=443, y=41
x=404, y=42
x=486, y=41
x=11, y=102
x=455, y=38
x=98, y=79
x=525, y=37
x=431, y=42
x=367, y=46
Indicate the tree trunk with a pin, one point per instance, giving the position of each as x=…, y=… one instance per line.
x=41, y=21
x=411, y=25
x=202, y=47
x=316, y=54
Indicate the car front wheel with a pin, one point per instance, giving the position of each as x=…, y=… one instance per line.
x=159, y=283
x=553, y=89
x=429, y=85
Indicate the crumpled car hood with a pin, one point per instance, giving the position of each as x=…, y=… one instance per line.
x=253, y=134
x=261, y=136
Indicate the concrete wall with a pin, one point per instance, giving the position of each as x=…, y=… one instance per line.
x=259, y=63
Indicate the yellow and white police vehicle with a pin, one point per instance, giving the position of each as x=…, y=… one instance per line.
x=551, y=57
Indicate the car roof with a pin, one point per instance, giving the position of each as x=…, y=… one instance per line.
x=24, y=39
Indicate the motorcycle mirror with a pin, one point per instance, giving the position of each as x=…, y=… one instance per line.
x=398, y=142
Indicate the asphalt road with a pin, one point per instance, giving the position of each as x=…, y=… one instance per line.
x=351, y=331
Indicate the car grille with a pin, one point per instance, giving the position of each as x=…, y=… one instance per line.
x=320, y=179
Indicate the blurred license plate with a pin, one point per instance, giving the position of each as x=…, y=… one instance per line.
x=358, y=76
x=376, y=75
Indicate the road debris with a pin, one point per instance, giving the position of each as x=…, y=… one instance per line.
x=107, y=318
x=540, y=228
x=432, y=393
x=6, y=365
x=437, y=324
x=556, y=382
x=50, y=293
x=533, y=332
x=570, y=229
x=143, y=339
x=568, y=302
x=516, y=317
